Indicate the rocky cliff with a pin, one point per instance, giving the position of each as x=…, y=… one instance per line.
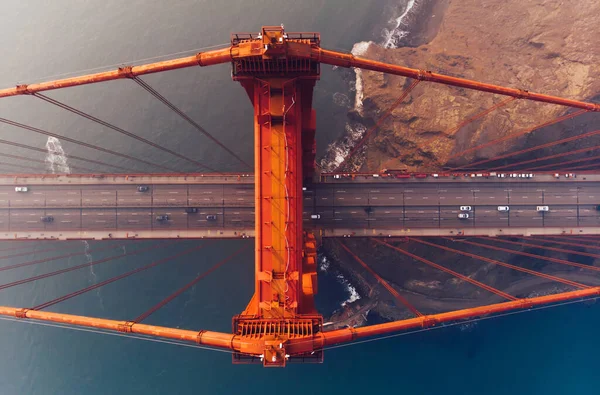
x=548, y=46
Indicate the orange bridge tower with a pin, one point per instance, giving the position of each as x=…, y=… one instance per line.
x=281, y=319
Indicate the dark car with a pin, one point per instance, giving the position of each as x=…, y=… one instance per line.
x=161, y=218
x=211, y=217
x=598, y=208
x=191, y=210
x=143, y=188
x=47, y=218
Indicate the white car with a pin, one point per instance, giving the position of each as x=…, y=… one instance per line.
x=21, y=189
x=463, y=216
x=466, y=208
x=503, y=208
x=315, y=216
x=501, y=175
x=542, y=208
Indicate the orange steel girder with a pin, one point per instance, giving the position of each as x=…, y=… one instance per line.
x=281, y=89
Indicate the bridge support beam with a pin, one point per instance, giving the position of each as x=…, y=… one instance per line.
x=280, y=318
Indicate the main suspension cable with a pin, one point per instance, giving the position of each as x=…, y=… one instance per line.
x=118, y=334
x=458, y=323
x=129, y=62
x=183, y=115
x=83, y=144
x=170, y=298
x=118, y=129
x=379, y=122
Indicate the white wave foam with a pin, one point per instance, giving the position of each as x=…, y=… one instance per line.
x=324, y=265
x=352, y=292
x=359, y=49
x=338, y=150
x=56, y=159
x=94, y=277
x=392, y=37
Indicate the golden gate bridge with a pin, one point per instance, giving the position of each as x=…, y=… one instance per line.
x=278, y=70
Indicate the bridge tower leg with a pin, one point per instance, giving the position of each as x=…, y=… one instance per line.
x=280, y=320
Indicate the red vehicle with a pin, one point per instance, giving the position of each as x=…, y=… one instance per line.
x=402, y=175
x=420, y=175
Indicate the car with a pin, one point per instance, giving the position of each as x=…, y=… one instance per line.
x=466, y=208
x=556, y=175
x=191, y=210
x=501, y=175
x=315, y=216
x=21, y=189
x=530, y=175
x=542, y=208
x=420, y=175
x=402, y=175
x=304, y=188
x=143, y=188
x=463, y=216
x=503, y=208
x=47, y=218
x=598, y=208
x=161, y=218
x=211, y=217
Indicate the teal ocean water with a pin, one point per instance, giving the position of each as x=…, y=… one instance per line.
x=549, y=351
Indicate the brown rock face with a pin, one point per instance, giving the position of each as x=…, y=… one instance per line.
x=547, y=46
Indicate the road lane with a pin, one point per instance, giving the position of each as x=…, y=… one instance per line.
x=358, y=205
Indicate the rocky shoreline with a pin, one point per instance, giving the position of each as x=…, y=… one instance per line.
x=542, y=50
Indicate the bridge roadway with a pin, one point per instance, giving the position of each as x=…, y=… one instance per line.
x=92, y=207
